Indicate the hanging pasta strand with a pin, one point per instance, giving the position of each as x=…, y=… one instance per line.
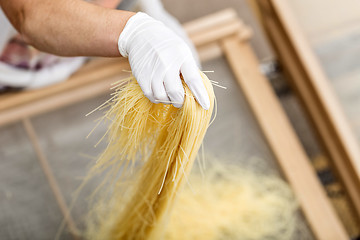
x=151, y=149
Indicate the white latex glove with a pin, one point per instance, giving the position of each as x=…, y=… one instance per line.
x=157, y=56
x=155, y=9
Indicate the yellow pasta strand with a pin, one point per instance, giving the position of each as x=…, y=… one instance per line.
x=151, y=149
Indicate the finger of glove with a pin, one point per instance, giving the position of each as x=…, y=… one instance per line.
x=174, y=87
x=159, y=92
x=146, y=88
x=194, y=81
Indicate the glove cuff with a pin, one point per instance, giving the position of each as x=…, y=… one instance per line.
x=131, y=26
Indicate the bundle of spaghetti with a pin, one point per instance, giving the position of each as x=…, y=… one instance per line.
x=151, y=149
x=234, y=201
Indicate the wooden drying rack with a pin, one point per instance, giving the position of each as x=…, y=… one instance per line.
x=222, y=33
x=313, y=88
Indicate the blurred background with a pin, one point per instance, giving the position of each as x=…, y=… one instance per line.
x=30, y=210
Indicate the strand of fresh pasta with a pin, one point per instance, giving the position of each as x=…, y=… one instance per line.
x=151, y=149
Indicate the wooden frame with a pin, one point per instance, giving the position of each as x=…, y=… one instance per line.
x=283, y=141
x=215, y=35
x=315, y=92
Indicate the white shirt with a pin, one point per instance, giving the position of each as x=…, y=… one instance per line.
x=17, y=77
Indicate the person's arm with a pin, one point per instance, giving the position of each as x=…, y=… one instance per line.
x=67, y=27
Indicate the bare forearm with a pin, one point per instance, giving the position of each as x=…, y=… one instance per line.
x=67, y=27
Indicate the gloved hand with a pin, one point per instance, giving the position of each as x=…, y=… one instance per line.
x=157, y=56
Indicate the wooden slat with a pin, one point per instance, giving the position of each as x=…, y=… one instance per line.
x=205, y=23
x=92, y=75
x=217, y=33
x=210, y=51
x=283, y=141
x=316, y=94
x=56, y=101
x=44, y=163
x=98, y=62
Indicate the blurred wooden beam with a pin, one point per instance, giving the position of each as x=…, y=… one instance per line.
x=314, y=90
x=222, y=17
x=55, y=101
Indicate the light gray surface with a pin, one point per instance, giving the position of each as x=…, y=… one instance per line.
x=230, y=132
x=63, y=135
x=340, y=60
x=27, y=207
